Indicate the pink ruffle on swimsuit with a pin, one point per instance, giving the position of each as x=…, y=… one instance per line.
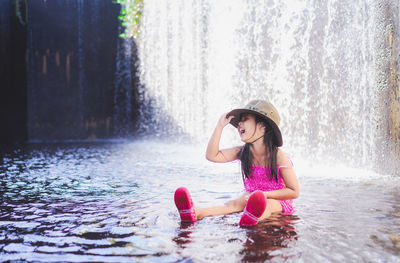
x=259, y=180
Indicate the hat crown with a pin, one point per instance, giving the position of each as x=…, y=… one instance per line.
x=265, y=108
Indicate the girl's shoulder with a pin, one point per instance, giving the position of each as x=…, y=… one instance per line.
x=282, y=159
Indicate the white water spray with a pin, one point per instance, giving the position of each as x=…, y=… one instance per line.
x=314, y=60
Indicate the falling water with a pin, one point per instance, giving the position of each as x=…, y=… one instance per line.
x=81, y=75
x=122, y=88
x=315, y=60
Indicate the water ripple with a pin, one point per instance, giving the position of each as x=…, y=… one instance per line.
x=114, y=203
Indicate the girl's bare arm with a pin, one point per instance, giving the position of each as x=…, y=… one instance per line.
x=213, y=153
x=289, y=177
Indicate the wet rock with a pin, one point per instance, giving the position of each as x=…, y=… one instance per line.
x=395, y=238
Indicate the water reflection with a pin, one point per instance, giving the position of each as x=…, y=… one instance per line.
x=184, y=236
x=272, y=234
x=259, y=242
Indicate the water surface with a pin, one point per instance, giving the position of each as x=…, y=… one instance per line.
x=113, y=202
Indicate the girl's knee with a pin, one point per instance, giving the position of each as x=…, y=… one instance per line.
x=235, y=205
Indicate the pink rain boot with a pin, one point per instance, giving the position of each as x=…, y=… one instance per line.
x=184, y=203
x=254, y=209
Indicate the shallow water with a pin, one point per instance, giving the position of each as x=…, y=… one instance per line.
x=113, y=202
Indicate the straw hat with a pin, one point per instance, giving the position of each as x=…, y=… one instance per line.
x=265, y=110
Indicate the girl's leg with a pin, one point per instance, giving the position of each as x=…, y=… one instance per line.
x=273, y=206
x=230, y=207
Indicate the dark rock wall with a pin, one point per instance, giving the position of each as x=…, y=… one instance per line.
x=393, y=41
x=73, y=47
x=388, y=108
x=64, y=72
x=13, y=76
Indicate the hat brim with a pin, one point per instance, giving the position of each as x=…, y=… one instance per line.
x=235, y=122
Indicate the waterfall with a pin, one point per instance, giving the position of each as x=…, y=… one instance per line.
x=81, y=72
x=315, y=60
x=122, y=114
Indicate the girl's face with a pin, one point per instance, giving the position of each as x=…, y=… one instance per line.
x=248, y=129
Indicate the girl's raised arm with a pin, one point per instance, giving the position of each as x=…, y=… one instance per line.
x=213, y=153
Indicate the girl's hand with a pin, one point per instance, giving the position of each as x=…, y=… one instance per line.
x=223, y=120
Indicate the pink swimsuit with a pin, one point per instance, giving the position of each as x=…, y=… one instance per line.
x=260, y=181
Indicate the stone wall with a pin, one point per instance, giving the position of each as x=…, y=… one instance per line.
x=64, y=72
x=13, y=93
x=394, y=86
x=388, y=143
x=74, y=78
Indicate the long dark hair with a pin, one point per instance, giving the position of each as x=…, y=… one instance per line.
x=271, y=149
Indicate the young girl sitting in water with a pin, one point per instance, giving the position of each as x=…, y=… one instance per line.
x=268, y=175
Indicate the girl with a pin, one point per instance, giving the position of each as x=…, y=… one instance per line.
x=268, y=175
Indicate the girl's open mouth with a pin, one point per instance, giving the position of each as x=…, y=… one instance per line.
x=241, y=131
